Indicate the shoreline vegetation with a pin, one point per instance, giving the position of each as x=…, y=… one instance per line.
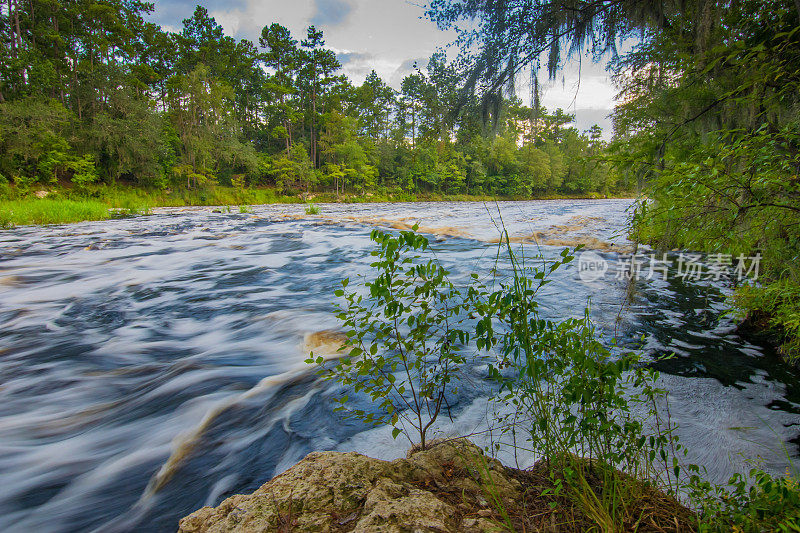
x=61, y=205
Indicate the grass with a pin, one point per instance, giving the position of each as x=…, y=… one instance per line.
x=127, y=197
x=541, y=499
x=584, y=504
x=51, y=211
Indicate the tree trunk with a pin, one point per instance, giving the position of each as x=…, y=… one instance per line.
x=19, y=40
x=285, y=122
x=413, y=126
x=12, y=38
x=33, y=23
x=313, y=123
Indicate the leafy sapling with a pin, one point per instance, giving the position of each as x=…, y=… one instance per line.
x=405, y=339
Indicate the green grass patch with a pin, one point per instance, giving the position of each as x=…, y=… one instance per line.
x=50, y=211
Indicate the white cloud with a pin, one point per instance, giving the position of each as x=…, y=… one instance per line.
x=259, y=13
x=230, y=20
x=331, y=13
x=358, y=65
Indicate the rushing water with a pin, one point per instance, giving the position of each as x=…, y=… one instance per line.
x=150, y=366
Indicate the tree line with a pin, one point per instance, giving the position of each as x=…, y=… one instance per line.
x=92, y=93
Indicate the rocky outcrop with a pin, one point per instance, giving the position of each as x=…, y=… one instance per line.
x=449, y=487
x=445, y=488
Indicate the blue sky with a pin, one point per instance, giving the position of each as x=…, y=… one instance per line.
x=387, y=36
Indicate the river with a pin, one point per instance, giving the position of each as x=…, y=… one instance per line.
x=153, y=365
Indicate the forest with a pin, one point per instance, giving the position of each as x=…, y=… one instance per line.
x=93, y=96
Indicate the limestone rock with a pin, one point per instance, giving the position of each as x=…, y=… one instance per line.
x=432, y=490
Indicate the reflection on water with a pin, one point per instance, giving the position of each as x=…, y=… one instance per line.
x=150, y=366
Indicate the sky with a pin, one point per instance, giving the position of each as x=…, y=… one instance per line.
x=388, y=36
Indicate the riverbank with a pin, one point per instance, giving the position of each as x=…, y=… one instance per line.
x=63, y=205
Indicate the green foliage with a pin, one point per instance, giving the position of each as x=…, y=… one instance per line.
x=83, y=171
x=127, y=139
x=570, y=397
x=776, y=307
x=238, y=181
x=730, y=194
x=33, y=144
x=753, y=503
x=730, y=184
x=194, y=178
x=405, y=341
x=293, y=169
x=312, y=209
x=6, y=192
x=195, y=108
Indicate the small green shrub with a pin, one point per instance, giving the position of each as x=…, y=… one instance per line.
x=312, y=209
x=404, y=340
x=570, y=398
x=6, y=192
x=83, y=171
